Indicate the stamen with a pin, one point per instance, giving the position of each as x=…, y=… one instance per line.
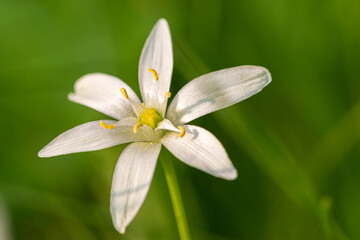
x=143, y=105
x=123, y=91
x=107, y=126
x=168, y=94
x=136, y=127
x=134, y=104
x=182, y=131
x=156, y=76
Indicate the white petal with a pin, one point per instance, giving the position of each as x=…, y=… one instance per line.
x=216, y=90
x=102, y=93
x=167, y=125
x=200, y=149
x=136, y=106
x=92, y=136
x=157, y=54
x=131, y=181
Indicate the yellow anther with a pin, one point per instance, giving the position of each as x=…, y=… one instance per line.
x=136, y=127
x=107, y=126
x=156, y=76
x=182, y=131
x=168, y=94
x=123, y=91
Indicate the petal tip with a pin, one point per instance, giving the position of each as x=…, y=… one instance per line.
x=42, y=154
x=120, y=227
x=268, y=76
x=71, y=96
x=162, y=21
x=121, y=230
x=162, y=25
x=233, y=176
x=266, y=73
x=230, y=175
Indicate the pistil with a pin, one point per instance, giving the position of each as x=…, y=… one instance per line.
x=150, y=117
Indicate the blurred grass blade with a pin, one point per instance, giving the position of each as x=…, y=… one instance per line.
x=5, y=230
x=339, y=233
x=335, y=144
x=50, y=204
x=271, y=156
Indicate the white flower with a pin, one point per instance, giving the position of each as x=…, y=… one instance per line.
x=148, y=126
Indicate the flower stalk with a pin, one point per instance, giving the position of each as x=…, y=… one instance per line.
x=176, y=199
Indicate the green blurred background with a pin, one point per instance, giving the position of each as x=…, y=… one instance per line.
x=295, y=144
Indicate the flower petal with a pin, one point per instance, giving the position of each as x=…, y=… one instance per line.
x=102, y=93
x=131, y=181
x=92, y=136
x=216, y=90
x=200, y=149
x=166, y=125
x=157, y=55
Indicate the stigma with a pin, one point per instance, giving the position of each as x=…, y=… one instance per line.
x=150, y=117
x=156, y=76
x=107, y=126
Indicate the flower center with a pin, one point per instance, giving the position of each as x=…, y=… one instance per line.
x=150, y=117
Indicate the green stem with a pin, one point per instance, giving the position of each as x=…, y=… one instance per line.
x=176, y=199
